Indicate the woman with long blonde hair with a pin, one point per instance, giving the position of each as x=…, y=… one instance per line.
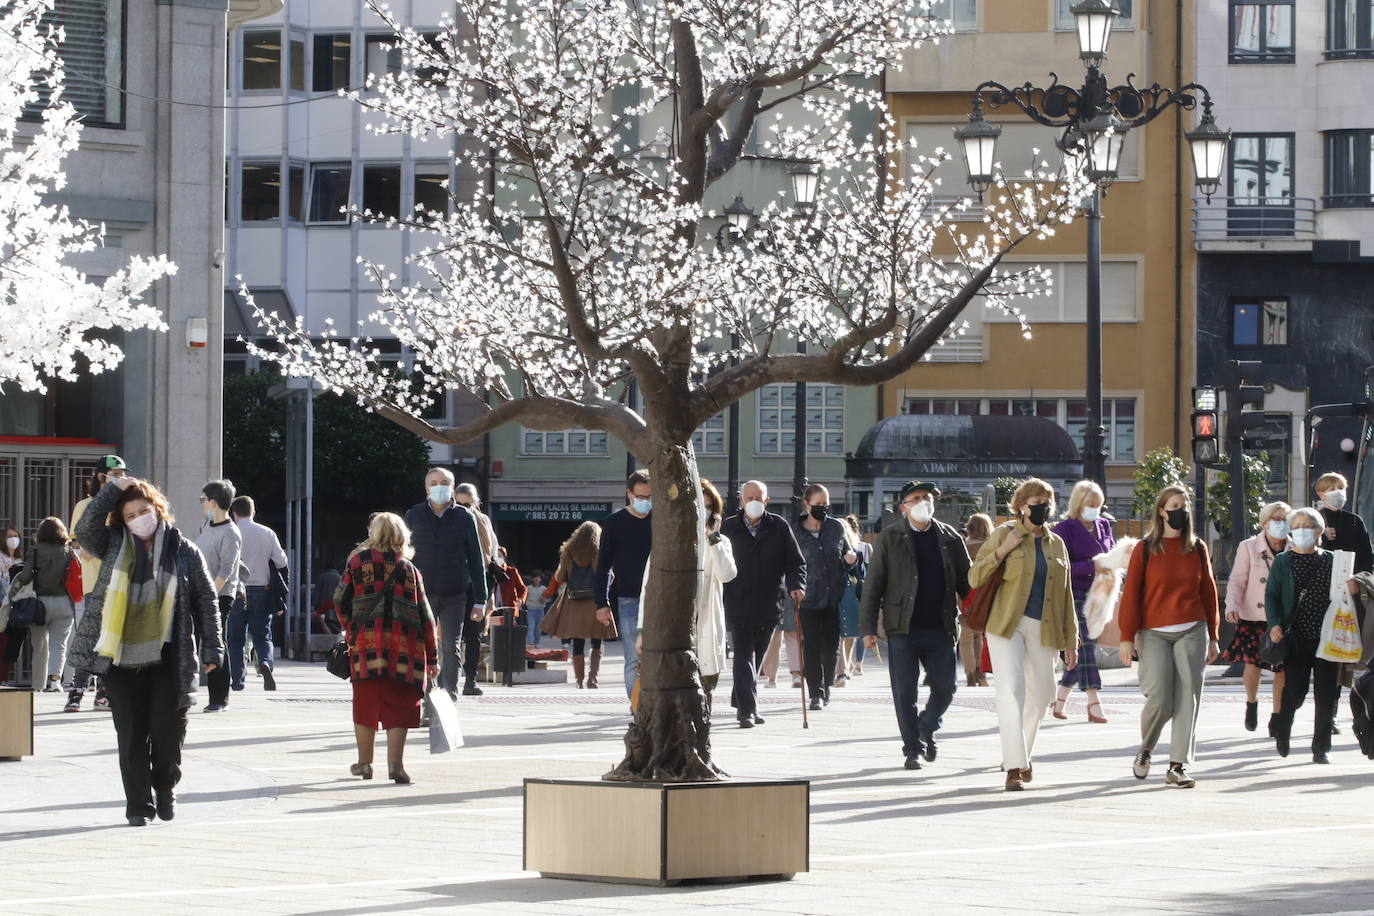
x=1169, y=612
x=573, y=616
x=392, y=641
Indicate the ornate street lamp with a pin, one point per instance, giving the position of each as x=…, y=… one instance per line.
x=1208, y=143
x=1094, y=19
x=978, y=144
x=739, y=215
x=806, y=184
x=1094, y=120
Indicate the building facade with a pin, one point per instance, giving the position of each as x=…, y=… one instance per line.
x=1286, y=249
x=1148, y=261
x=147, y=78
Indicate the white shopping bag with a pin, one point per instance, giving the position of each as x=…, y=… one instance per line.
x=1340, y=639
x=444, y=733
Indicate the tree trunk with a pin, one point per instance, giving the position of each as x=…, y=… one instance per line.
x=669, y=740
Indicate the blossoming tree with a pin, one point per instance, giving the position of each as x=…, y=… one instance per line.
x=49, y=310
x=587, y=259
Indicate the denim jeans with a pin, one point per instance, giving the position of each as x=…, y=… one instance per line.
x=627, y=622
x=250, y=617
x=908, y=653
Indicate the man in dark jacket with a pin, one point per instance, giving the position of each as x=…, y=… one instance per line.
x=771, y=579
x=918, y=573
x=449, y=557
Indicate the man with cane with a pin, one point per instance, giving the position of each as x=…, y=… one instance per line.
x=917, y=576
x=771, y=581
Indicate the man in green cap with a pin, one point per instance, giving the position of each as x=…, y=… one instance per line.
x=918, y=574
x=106, y=466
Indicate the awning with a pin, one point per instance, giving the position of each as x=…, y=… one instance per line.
x=924, y=446
x=238, y=316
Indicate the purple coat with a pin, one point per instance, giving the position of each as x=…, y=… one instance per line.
x=1083, y=545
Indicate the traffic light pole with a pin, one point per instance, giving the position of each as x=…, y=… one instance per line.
x=1238, y=532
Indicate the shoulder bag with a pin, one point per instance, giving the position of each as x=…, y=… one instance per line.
x=980, y=602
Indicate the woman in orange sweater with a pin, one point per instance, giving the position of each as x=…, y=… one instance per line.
x=1169, y=613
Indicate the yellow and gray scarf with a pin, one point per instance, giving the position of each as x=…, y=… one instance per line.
x=139, y=603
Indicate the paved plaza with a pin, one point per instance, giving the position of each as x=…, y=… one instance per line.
x=270, y=822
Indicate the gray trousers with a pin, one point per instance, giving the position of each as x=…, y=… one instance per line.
x=1171, y=667
x=50, y=640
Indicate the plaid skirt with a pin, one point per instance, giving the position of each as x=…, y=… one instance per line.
x=1245, y=645
x=1086, y=675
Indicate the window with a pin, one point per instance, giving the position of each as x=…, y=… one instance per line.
x=260, y=191
x=295, y=193
x=710, y=438
x=382, y=190
x=1063, y=17
x=777, y=414
x=1118, y=416
x=329, y=189
x=1349, y=28
x=1262, y=33
x=333, y=57
x=296, y=63
x=92, y=55
x=1348, y=164
x=1261, y=170
x=431, y=194
x=563, y=442
x=1067, y=299
x=1118, y=424
x=261, y=60
x=962, y=13
x=1259, y=323
x=382, y=56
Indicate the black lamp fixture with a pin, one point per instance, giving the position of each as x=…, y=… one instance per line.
x=806, y=185
x=1094, y=20
x=978, y=144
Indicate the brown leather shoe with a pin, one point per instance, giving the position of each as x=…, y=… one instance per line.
x=1027, y=772
x=1014, y=780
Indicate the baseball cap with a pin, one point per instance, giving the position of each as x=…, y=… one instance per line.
x=917, y=485
x=111, y=463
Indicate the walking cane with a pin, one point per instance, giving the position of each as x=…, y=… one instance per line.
x=801, y=662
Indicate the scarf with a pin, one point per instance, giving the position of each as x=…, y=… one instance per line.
x=137, y=617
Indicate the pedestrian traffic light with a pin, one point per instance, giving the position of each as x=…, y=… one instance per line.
x=1206, y=446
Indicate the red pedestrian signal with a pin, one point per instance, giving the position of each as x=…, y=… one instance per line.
x=1204, y=425
x=1206, y=443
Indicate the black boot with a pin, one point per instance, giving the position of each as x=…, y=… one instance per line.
x=1251, y=716
x=1273, y=721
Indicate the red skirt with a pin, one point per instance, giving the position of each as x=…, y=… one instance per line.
x=394, y=704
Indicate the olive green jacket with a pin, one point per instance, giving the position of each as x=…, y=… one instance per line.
x=1058, y=623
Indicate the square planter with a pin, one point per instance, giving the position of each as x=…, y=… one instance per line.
x=16, y=723
x=666, y=833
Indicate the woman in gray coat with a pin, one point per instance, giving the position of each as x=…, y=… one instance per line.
x=825, y=547
x=151, y=606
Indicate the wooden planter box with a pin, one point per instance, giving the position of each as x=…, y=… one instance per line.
x=16, y=723
x=666, y=833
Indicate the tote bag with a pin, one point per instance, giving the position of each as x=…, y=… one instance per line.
x=444, y=732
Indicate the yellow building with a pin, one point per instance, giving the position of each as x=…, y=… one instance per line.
x=1148, y=273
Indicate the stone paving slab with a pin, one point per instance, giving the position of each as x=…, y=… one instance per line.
x=270, y=822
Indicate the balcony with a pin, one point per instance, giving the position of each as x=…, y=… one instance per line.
x=1254, y=223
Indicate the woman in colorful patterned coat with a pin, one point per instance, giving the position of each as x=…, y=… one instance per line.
x=392, y=644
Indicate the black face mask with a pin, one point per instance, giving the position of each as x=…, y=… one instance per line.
x=820, y=512
x=1038, y=514
x=1178, y=518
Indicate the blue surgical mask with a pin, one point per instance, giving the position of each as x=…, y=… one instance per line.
x=642, y=506
x=1091, y=513
x=1304, y=538
x=1278, y=529
x=440, y=493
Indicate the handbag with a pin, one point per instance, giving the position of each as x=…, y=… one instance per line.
x=75, y=587
x=1273, y=653
x=25, y=608
x=337, y=662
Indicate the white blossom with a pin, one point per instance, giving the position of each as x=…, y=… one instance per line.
x=50, y=311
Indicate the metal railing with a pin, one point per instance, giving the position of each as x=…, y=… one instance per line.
x=1250, y=218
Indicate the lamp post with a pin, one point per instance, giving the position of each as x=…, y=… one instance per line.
x=739, y=227
x=1095, y=119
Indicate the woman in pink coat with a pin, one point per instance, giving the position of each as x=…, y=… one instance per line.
x=1245, y=607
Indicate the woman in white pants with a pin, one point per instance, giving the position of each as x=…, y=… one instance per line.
x=1031, y=621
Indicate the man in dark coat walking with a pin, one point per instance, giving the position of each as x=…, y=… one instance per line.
x=770, y=581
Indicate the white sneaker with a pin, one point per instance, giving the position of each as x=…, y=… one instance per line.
x=772, y=682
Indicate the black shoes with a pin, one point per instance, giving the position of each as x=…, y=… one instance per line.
x=470, y=689
x=928, y=739
x=268, y=682
x=745, y=722
x=1273, y=721
x=138, y=821
x=1335, y=729
x=1320, y=757
x=1281, y=744
x=816, y=704
x=1251, y=716
x=166, y=804
x=913, y=763
x=758, y=719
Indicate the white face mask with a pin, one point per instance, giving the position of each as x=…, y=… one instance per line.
x=1335, y=499
x=1278, y=529
x=12, y=543
x=921, y=513
x=1092, y=513
x=1304, y=538
x=144, y=524
x=754, y=509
